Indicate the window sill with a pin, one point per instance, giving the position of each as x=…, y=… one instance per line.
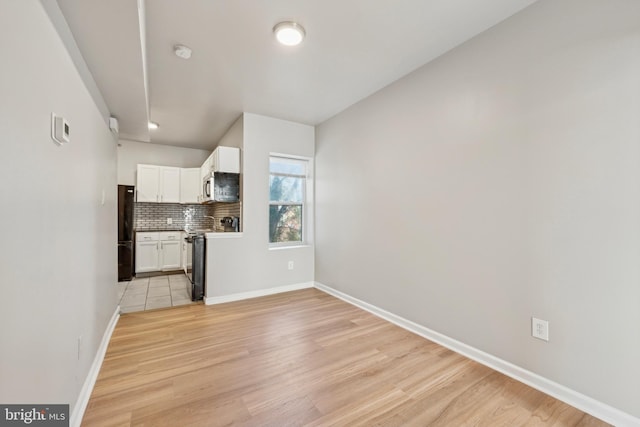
x=277, y=248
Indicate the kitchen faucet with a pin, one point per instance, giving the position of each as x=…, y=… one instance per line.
x=207, y=216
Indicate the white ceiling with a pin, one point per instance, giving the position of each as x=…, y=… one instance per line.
x=353, y=48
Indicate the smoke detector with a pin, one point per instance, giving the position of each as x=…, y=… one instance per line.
x=182, y=51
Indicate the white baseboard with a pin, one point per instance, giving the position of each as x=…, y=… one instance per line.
x=258, y=293
x=586, y=404
x=83, y=399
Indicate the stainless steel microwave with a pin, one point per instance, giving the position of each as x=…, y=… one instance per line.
x=221, y=187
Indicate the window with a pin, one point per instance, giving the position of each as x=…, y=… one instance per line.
x=287, y=200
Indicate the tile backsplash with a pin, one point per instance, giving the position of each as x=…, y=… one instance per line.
x=153, y=216
x=220, y=210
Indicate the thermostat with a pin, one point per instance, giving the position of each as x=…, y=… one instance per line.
x=60, y=129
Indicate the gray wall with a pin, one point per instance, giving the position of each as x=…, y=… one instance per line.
x=59, y=268
x=247, y=264
x=500, y=182
x=130, y=153
x=234, y=136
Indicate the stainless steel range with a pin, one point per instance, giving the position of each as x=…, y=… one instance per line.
x=196, y=274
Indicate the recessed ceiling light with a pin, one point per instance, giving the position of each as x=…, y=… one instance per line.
x=289, y=33
x=153, y=125
x=182, y=51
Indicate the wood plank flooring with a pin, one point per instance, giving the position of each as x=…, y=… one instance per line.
x=301, y=358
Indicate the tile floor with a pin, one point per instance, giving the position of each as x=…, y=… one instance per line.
x=153, y=292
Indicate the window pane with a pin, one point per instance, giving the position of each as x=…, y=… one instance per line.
x=287, y=166
x=286, y=189
x=285, y=223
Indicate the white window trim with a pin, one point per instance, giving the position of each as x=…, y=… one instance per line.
x=307, y=194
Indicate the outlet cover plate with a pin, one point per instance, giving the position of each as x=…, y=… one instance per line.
x=540, y=329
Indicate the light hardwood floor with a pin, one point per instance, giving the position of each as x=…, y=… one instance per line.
x=300, y=358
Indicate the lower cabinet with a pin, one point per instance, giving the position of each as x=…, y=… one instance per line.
x=158, y=251
x=170, y=254
x=186, y=254
x=147, y=258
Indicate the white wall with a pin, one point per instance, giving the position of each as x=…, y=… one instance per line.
x=130, y=153
x=58, y=265
x=234, y=136
x=501, y=182
x=246, y=264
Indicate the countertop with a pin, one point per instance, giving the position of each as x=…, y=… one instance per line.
x=208, y=235
x=159, y=230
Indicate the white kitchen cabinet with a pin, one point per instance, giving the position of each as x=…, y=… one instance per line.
x=223, y=159
x=158, y=184
x=148, y=183
x=226, y=159
x=147, y=252
x=158, y=251
x=170, y=251
x=186, y=254
x=207, y=166
x=169, y=184
x=190, y=185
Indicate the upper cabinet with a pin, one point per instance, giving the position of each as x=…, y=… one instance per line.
x=165, y=184
x=224, y=159
x=206, y=168
x=158, y=184
x=169, y=184
x=148, y=183
x=190, y=185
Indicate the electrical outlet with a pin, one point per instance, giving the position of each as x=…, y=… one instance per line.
x=169, y=220
x=290, y=265
x=540, y=329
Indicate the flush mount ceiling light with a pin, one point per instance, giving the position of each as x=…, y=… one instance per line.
x=153, y=125
x=182, y=51
x=289, y=33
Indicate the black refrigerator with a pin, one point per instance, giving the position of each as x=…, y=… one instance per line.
x=126, y=195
